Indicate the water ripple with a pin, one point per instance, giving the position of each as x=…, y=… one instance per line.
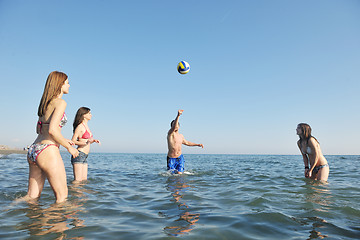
x=221, y=197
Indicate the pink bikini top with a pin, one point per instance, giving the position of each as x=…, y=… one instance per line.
x=86, y=134
x=63, y=121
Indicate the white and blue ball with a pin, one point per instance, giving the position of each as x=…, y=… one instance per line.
x=183, y=67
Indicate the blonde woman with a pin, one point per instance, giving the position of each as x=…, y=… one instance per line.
x=83, y=138
x=311, y=152
x=44, y=156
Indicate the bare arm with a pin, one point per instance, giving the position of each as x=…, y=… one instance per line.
x=315, y=157
x=92, y=140
x=55, y=130
x=306, y=160
x=79, y=131
x=191, y=144
x=173, y=127
x=305, y=157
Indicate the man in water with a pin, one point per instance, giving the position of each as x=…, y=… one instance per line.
x=175, y=160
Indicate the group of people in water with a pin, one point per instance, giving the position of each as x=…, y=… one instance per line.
x=44, y=155
x=45, y=160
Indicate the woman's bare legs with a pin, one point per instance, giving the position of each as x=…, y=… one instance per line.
x=323, y=174
x=52, y=165
x=80, y=171
x=36, y=181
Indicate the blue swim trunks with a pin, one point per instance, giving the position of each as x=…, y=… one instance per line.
x=176, y=164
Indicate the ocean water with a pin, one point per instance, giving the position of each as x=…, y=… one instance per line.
x=131, y=196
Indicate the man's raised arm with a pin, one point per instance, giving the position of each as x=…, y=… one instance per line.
x=175, y=122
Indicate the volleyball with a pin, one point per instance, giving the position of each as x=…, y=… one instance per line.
x=183, y=67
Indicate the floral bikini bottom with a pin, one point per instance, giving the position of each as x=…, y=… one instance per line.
x=35, y=150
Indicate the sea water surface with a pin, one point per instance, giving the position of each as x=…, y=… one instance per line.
x=132, y=196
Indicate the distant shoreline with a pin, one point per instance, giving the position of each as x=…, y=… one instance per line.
x=12, y=151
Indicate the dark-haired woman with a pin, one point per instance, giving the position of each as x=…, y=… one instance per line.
x=316, y=166
x=83, y=138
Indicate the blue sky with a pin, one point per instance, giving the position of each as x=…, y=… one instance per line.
x=258, y=68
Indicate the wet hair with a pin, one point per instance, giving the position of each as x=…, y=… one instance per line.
x=79, y=117
x=52, y=89
x=172, y=122
x=305, y=132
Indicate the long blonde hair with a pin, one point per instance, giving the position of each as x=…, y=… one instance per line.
x=52, y=89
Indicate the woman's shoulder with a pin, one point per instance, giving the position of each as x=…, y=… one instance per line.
x=313, y=141
x=80, y=126
x=58, y=102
